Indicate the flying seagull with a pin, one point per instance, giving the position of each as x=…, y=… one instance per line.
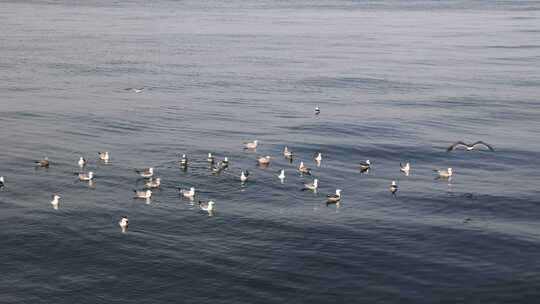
x=467, y=146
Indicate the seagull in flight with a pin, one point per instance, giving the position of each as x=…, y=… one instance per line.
x=469, y=147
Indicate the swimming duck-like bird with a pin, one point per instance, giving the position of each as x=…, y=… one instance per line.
x=56, y=201
x=244, y=176
x=123, y=223
x=334, y=198
x=467, y=146
x=312, y=186
x=82, y=162
x=146, y=172
x=251, y=145
x=303, y=169
x=281, y=175
x=86, y=176
x=2, y=182
x=153, y=183
x=264, y=160
x=44, y=163
x=444, y=173
x=183, y=161
x=365, y=165
x=287, y=153
x=393, y=187
x=318, y=158
x=187, y=193
x=405, y=169
x=104, y=156
x=210, y=158
x=317, y=110
x=206, y=206
x=143, y=193
x=225, y=161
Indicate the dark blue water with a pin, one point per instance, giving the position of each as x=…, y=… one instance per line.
x=396, y=82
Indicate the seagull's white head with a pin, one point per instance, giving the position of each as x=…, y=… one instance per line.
x=301, y=164
x=316, y=182
x=56, y=197
x=151, y=170
x=192, y=190
x=256, y=142
x=91, y=174
x=148, y=192
x=450, y=170
x=338, y=192
x=124, y=222
x=225, y=159
x=158, y=180
x=1, y=179
x=394, y=183
x=368, y=162
x=183, y=156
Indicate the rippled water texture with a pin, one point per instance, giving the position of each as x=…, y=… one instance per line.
x=396, y=82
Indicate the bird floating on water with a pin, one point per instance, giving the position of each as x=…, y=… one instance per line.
x=143, y=193
x=251, y=145
x=2, y=182
x=153, y=183
x=312, y=186
x=244, y=176
x=264, y=160
x=82, y=162
x=136, y=90
x=86, y=176
x=405, y=168
x=123, y=223
x=146, y=172
x=183, y=160
x=365, y=165
x=210, y=158
x=56, y=201
x=206, y=206
x=334, y=198
x=104, y=156
x=317, y=110
x=468, y=147
x=281, y=175
x=318, y=157
x=393, y=187
x=303, y=169
x=187, y=193
x=444, y=173
x=287, y=153
x=44, y=163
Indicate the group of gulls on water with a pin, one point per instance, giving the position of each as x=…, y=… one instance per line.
x=152, y=182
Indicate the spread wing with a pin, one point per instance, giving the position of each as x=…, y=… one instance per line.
x=483, y=143
x=455, y=145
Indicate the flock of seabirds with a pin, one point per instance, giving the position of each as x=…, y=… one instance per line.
x=151, y=181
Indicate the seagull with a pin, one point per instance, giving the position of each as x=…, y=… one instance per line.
x=187, y=193
x=312, y=186
x=251, y=145
x=225, y=161
x=281, y=175
x=317, y=110
x=405, y=169
x=303, y=169
x=136, y=90
x=86, y=176
x=153, y=183
x=444, y=173
x=365, y=165
x=123, y=223
x=287, y=153
x=82, y=162
x=183, y=161
x=264, y=160
x=318, y=158
x=467, y=146
x=334, y=198
x=244, y=176
x=217, y=169
x=55, y=201
x=43, y=163
x=142, y=193
x=146, y=172
x=206, y=206
x=2, y=182
x=104, y=156
x=393, y=187
x=210, y=158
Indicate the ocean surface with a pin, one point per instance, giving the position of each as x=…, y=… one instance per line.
x=396, y=81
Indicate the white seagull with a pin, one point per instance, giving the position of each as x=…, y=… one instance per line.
x=281, y=175
x=187, y=193
x=86, y=176
x=146, y=172
x=303, y=169
x=334, y=198
x=123, y=223
x=318, y=158
x=82, y=162
x=206, y=206
x=210, y=158
x=264, y=160
x=244, y=175
x=287, y=153
x=183, y=161
x=405, y=169
x=55, y=201
x=365, y=165
x=444, y=173
x=104, y=156
x=251, y=145
x=317, y=110
x=467, y=146
x=393, y=187
x=143, y=193
x=153, y=183
x=312, y=186
x=2, y=182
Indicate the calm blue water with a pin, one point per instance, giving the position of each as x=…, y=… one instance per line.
x=396, y=82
